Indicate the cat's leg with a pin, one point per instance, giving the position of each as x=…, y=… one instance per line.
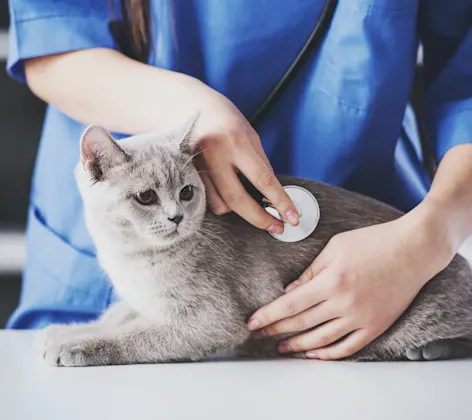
x=441, y=349
x=140, y=341
x=434, y=350
x=258, y=348
x=264, y=348
x=117, y=314
x=373, y=354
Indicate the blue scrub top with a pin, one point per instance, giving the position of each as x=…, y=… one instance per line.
x=338, y=122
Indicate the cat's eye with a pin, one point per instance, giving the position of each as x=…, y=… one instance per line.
x=146, y=198
x=186, y=193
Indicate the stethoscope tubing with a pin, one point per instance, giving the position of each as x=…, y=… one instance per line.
x=309, y=47
x=311, y=44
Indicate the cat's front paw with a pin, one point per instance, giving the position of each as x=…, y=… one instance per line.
x=48, y=336
x=76, y=353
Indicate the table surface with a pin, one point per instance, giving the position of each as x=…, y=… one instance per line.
x=279, y=389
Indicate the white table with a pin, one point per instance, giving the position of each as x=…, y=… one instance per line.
x=281, y=389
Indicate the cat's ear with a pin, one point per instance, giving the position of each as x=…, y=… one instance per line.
x=185, y=136
x=99, y=152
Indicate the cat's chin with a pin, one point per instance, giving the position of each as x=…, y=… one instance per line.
x=169, y=240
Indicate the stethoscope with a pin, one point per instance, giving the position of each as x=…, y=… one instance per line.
x=306, y=203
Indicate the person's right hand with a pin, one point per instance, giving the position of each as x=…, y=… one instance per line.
x=227, y=144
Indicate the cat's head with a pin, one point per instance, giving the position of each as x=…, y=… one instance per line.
x=145, y=187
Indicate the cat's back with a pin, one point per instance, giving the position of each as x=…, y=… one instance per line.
x=254, y=254
x=340, y=211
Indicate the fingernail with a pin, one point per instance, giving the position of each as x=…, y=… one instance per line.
x=284, y=348
x=292, y=286
x=254, y=324
x=292, y=216
x=277, y=229
x=260, y=334
x=311, y=354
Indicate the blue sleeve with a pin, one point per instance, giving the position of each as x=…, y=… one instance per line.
x=46, y=27
x=446, y=35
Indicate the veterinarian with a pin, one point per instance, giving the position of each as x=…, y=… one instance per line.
x=147, y=66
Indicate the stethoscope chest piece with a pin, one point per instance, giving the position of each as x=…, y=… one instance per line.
x=308, y=209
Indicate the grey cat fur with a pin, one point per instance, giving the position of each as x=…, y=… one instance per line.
x=187, y=291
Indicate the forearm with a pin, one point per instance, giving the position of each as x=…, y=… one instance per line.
x=447, y=209
x=104, y=87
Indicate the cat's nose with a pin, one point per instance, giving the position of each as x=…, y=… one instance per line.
x=176, y=219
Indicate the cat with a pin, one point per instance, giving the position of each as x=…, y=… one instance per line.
x=189, y=280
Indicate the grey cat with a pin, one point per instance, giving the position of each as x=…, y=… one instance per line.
x=189, y=280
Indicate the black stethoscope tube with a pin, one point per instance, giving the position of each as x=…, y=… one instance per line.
x=312, y=43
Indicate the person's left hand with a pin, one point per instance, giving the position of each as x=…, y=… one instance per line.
x=356, y=288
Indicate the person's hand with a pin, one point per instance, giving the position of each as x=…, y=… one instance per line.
x=356, y=288
x=226, y=143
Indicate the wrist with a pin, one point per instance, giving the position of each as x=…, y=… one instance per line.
x=455, y=219
x=436, y=231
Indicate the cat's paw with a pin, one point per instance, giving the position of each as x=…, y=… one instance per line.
x=47, y=336
x=65, y=354
x=436, y=350
x=414, y=354
x=74, y=353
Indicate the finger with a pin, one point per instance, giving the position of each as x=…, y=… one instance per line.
x=322, y=336
x=237, y=199
x=353, y=343
x=262, y=176
x=216, y=203
x=288, y=305
x=307, y=319
x=256, y=143
x=314, y=269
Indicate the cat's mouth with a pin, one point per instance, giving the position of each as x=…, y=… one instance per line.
x=172, y=234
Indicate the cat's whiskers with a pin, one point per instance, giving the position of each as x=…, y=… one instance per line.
x=200, y=172
x=210, y=244
x=193, y=157
x=218, y=231
x=216, y=228
x=210, y=238
x=196, y=173
x=211, y=235
x=199, y=233
x=194, y=245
